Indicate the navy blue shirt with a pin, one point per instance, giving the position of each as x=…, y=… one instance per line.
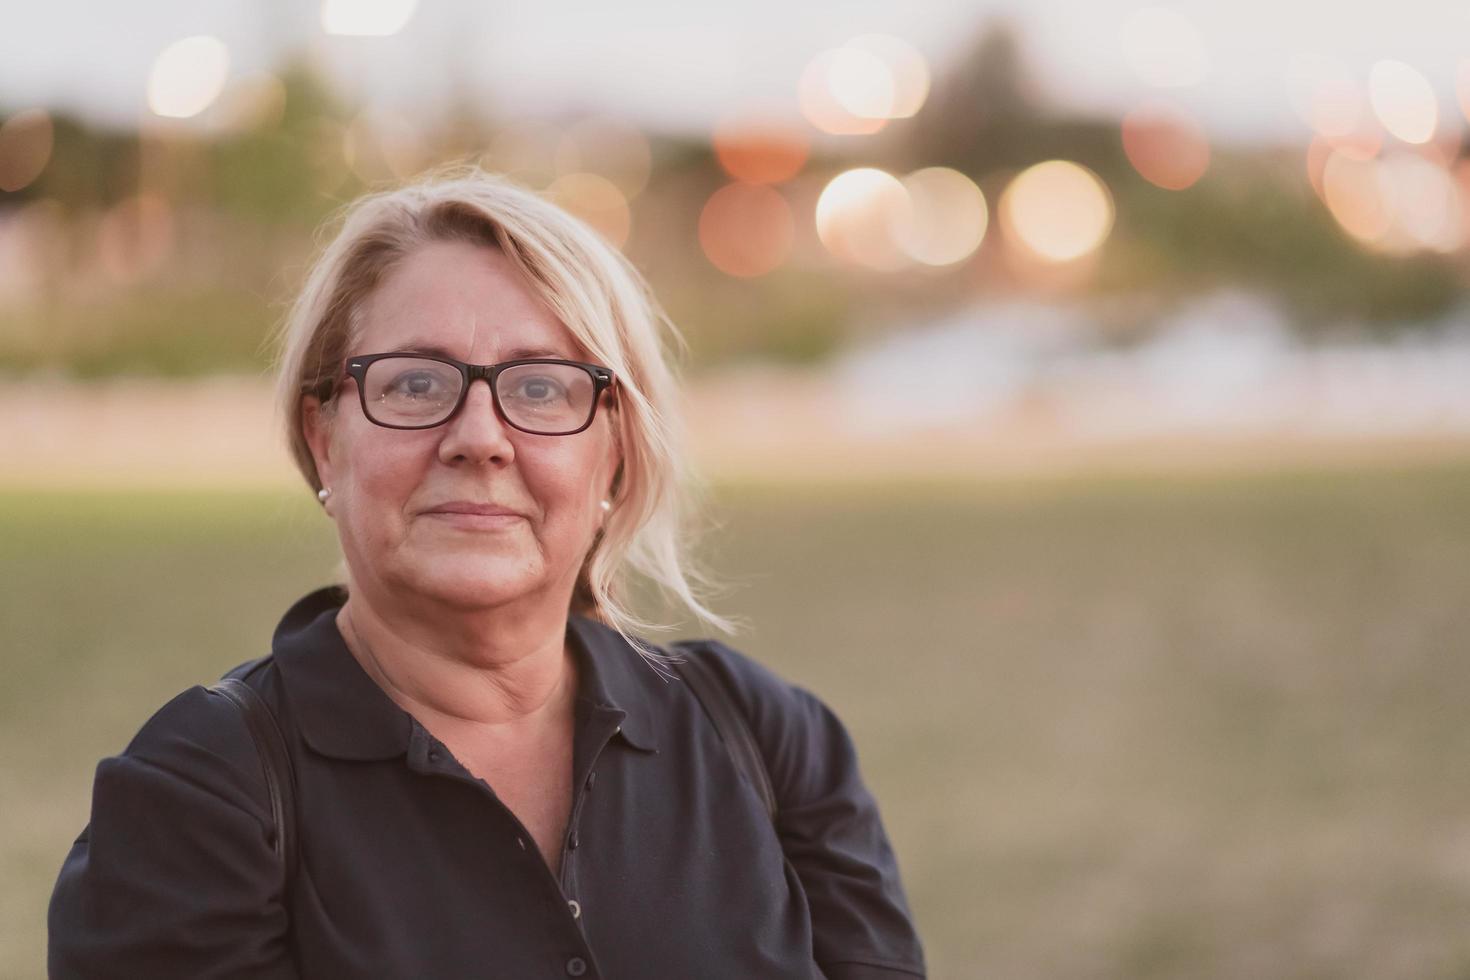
x=411, y=867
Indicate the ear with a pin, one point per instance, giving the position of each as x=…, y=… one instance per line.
x=316, y=428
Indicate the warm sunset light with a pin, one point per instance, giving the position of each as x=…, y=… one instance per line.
x=948, y=217
x=188, y=76
x=366, y=18
x=759, y=151
x=1166, y=146
x=855, y=89
x=26, y=139
x=746, y=230
x=839, y=69
x=597, y=201
x=134, y=237
x=861, y=83
x=1403, y=101
x=252, y=101
x=907, y=71
x=1462, y=86
x=1325, y=95
x=1423, y=200
x=608, y=146
x=1058, y=209
x=1164, y=48
x=861, y=215
x=381, y=145
x=1353, y=196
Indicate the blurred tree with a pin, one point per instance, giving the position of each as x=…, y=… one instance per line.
x=276, y=172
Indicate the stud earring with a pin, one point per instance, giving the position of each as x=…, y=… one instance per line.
x=607, y=505
x=323, y=494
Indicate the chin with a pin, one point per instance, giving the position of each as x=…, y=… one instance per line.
x=476, y=581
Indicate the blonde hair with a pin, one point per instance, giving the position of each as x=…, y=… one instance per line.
x=605, y=304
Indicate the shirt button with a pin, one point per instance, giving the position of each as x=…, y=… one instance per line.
x=433, y=756
x=576, y=966
x=575, y=907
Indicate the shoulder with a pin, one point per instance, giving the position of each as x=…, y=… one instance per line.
x=760, y=691
x=200, y=738
x=800, y=736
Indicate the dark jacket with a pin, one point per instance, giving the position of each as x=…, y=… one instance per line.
x=411, y=867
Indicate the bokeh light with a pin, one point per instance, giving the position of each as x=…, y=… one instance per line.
x=26, y=139
x=188, y=76
x=366, y=18
x=1403, y=100
x=856, y=88
x=1354, y=198
x=1166, y=146
x=1058, y=209
x=1423, y=201
x=861, y=83
x=608, y=146
x=597, y=201
x=1462, y=86
x=380, y=145
x=759, y=151
x=947, y=217
x=861, y=215
x=908, y=72
x=134, y=237
x=255, y=101
x=818, y=98
x=1164, y=48
x=526, y=150
x=746, y=230
x=1325, y=95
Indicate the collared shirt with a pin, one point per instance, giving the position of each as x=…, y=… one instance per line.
x=411, y=867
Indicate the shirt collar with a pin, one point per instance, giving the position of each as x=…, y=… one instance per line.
x=341, y=711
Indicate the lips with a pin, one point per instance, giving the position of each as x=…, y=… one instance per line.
x=470, y=516
x=469, y=507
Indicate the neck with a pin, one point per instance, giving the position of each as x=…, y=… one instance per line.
x=491, y=672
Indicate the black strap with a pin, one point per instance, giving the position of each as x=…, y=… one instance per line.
x=730, y=722
x=280, y=779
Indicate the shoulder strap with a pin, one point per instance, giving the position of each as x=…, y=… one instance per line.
x=280, y=780
x=730, y=722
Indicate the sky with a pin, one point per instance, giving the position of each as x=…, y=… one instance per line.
x=685, y=63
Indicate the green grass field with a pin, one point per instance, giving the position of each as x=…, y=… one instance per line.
x=1120, y=729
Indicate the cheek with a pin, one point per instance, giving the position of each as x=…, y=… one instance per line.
x=382, y=476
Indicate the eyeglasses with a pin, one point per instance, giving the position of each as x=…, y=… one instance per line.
x=544, y=396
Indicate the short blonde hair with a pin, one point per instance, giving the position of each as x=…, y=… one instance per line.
x=605, y=304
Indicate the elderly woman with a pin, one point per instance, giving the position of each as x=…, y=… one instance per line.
x=481, y=770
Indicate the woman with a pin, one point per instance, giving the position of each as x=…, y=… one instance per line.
x=492, y=776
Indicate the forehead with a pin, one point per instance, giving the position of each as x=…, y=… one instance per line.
x=466, y=300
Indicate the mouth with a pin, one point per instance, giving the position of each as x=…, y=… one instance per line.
x=474, y=517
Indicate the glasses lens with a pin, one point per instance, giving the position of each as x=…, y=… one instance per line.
x=411, y=390
x=546, y=398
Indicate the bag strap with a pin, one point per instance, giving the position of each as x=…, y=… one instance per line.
x=712, y=692
x=280, y=778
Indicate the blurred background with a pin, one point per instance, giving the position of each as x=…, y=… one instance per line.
x=1106, y=363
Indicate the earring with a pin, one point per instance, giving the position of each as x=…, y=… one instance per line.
x=607, y=505
x=323, y=494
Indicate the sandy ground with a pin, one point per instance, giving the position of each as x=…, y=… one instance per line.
x=759, y=427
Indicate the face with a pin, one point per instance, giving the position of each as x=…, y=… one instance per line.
x=470, y=303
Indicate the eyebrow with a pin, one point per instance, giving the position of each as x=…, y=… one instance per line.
x=514, y=354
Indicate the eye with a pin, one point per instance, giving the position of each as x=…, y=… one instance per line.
x=416, y=385
x=538, y=388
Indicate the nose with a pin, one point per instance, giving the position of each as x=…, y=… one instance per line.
x=476, y=434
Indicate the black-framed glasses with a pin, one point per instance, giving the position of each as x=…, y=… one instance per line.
x=545, y=396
